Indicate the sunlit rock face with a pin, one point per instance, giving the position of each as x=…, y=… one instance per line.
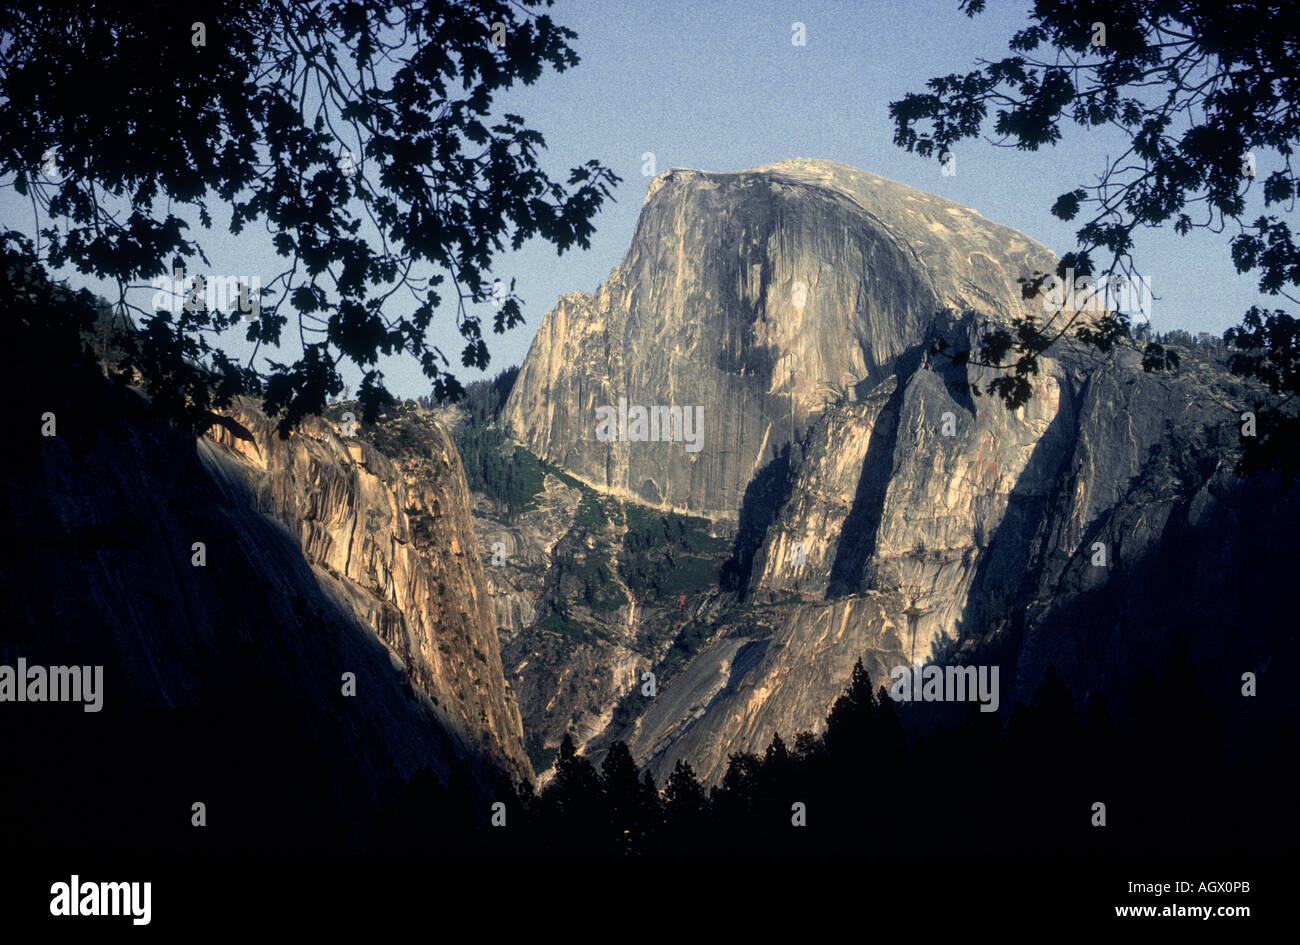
x=878, y=510
x=393, y=541
x=289, y=630
x=760, y=296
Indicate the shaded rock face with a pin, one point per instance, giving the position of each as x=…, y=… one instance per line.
x=878, y=510
x=759, y=296
x=224, y=683
x=394, y=543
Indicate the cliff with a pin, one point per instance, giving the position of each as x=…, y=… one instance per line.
x=329, y=641
x=760, y=296
x=393, y=541
x=874, y=508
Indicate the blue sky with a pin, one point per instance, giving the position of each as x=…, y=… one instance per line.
x=719, y=86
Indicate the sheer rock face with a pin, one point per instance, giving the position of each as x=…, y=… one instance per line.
x=224, y=666
x=396, y=547
x=760, y=296
x=1092, y=531
x=880, y=511
x=907, y=489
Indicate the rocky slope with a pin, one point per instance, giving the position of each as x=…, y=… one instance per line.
x=330, y=639
x=393, y=540
x=991, y=551
x=875, y=508
x=591, y=593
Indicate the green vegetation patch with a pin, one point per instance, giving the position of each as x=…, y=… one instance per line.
x=665, y=554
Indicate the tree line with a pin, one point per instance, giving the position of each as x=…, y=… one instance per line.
x=1172, y=775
